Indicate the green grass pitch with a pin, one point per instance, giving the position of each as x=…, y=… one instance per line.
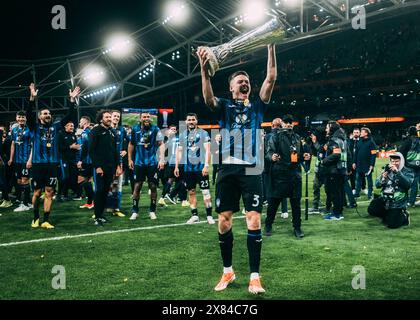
x=182, y=262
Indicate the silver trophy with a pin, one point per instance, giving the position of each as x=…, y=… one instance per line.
x=272, y=32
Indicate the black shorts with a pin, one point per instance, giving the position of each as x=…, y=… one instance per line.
x=169, y=172
x=21, y=171
x=140, y=174
x=194, y=178
x=44, y=175
x=232, y=184
x=86, y=171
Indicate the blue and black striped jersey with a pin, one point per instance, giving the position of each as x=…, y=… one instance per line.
x=172, y=145
x=241, y=119
x=193, y=149
x=45, y=137
x=146, y=142
x=22, y=140
x=83, y=154
x=120, y=140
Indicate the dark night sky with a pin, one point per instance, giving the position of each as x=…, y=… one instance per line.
x=26, y=32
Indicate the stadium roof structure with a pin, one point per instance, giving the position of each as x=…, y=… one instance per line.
x=168, y=52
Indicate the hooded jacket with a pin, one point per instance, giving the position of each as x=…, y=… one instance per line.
x=397, y=183
x=335, y=161
x=410, y=149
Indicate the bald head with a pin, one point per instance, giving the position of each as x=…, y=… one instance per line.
x=276, y=123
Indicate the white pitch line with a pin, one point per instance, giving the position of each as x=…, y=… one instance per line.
x=95, y=234
x=11, y=244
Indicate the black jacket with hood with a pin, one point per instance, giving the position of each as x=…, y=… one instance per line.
x=335, y=161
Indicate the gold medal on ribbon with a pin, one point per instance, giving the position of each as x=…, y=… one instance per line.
x=49, y=145
x=246, y=102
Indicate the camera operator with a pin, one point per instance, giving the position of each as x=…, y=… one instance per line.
x=319, y=177
x=395, y=181
x=410, y=149
x=286, y=153
x=335, y=164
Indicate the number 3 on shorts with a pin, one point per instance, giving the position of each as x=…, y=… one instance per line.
x=256, y=201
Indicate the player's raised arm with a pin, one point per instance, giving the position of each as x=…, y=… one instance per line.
x=30, y=116
x=207, y=89
x=73, y=94
x=270, y=80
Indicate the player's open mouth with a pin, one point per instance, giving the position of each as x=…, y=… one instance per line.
x=244, y=89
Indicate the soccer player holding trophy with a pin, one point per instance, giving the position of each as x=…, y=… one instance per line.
x=240, y=114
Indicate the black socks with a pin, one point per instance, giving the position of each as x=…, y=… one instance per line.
x=226, y=245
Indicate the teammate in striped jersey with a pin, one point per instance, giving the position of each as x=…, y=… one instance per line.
x=84, y=163
x=20, y=153
x=147, y=141
x=194, y=154
x=45, y=157
x=114, y=198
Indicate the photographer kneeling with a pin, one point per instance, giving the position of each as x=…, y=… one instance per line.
x=395, y=182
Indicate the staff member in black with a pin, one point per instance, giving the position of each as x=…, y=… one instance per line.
x=105, y=159
x=68, y=149
x=286, y=153
x=352, y=146
x=335, y=164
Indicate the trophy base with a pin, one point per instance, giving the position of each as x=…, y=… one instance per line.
x=213, y=64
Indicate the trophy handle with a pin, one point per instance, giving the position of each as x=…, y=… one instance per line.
x=213, y=64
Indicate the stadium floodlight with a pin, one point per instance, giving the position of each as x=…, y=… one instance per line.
x=148, y=70
x=100, y=92
x=93, y=75
x=253, y=12
x=176, y=12
x=176, y=55
x=119, y=46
